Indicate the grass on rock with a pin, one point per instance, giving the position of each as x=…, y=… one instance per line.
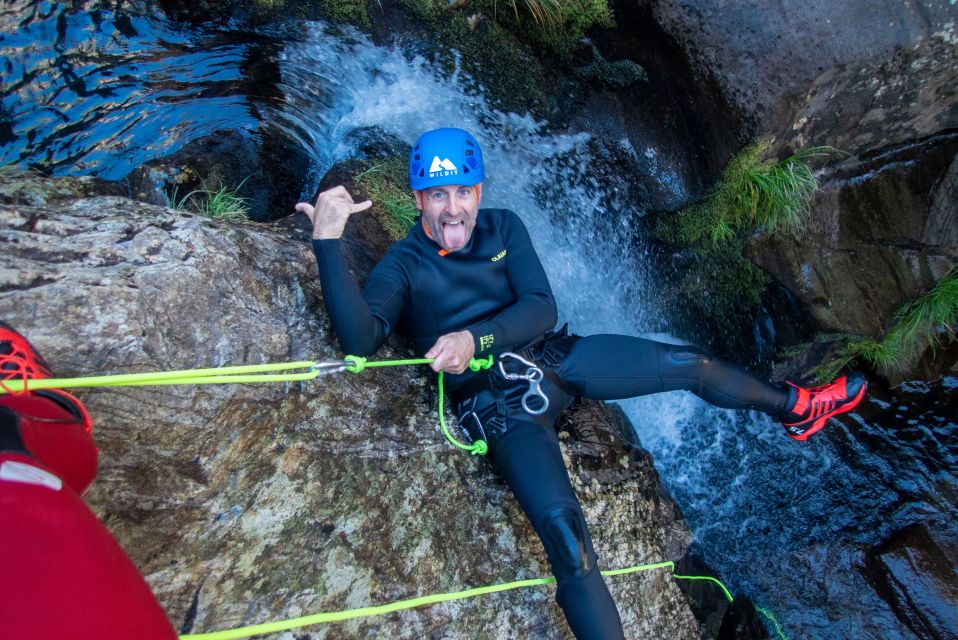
x=929, y=321
x=753, y=193
x=223, y=203
x=386, y=184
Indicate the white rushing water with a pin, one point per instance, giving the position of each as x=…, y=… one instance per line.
x=757, y=502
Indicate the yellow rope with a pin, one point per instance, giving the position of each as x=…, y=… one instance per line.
x=401, y=605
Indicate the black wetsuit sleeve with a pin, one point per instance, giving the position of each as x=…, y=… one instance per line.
x=361, y=320
x=534, y=311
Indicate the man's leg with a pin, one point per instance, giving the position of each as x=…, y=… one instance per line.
x=529, y=459
x=611, y=367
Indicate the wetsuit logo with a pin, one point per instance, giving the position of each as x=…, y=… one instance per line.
x=485, y=342
x=499, y=256
x=441, y=168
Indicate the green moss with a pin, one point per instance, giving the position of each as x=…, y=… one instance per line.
x=929, y=321
x=430, y=11
x=712, y=299
x=556, y=25
x=346, y=11
x=386, y=184
x=512, y=77
x=618, y=74
x=752, y=193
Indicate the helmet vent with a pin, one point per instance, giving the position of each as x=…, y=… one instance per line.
x=470, y=152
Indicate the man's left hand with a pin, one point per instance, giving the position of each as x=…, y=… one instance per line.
x=452, y=352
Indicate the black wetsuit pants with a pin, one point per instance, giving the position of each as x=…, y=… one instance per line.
x=526, y=450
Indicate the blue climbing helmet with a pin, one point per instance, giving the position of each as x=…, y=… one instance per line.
x=445, y=156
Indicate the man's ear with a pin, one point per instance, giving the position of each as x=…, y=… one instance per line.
x=418, y=196
x=478, y=193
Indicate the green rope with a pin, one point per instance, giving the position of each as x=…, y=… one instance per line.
x=778, y=629
x=217, y=375
x=477, y=448
x=360, y=364
x=709, y=578
x=246, y=374
x=401, y=605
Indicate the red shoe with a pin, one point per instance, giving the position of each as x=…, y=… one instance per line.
x=50, y=424
x=813, y=407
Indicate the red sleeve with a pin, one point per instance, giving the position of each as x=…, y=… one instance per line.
x=63, y=574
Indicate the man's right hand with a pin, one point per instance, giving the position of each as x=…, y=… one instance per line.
x=331, y=211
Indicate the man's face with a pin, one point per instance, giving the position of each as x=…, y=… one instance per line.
x=449, y=213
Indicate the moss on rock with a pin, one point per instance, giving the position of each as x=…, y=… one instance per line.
x=712, y=295
x=346, y=11
x=509, y=73
x=555, y=26
x=385, y=181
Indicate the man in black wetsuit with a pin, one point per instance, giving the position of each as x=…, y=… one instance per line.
x=468, y=283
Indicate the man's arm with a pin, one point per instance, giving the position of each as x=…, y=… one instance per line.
x=360, y=331
x=534, y=311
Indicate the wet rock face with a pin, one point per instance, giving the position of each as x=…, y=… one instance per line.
x=247, y=503
x=914, y=572
x=267, y=170
x=805, y=72
x=883, y=230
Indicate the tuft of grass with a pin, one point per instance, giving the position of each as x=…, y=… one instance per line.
x=223, y=203
x=559, y=25
x=385, y=182
x=752, y=193
x=929, y=321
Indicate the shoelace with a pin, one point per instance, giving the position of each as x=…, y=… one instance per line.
x=823, y=399
x=19, y=363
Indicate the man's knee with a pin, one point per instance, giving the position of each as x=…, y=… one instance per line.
x=567, y=542
x=677, y=355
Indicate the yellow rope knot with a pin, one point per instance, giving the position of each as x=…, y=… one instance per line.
x=479, y=448
x=358, y=364
x=475, y=364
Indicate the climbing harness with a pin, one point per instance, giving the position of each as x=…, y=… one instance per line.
x=309, y=370
x=533, y=375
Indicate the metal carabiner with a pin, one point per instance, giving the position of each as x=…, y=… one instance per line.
x=516, y=376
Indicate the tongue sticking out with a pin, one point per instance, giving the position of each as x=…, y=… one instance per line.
x=454, y=235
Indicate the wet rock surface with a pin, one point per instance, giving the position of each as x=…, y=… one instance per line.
x=247, y=503
x=914, y=572
x=882, y=231
x=806, y=71
x=268, y=171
